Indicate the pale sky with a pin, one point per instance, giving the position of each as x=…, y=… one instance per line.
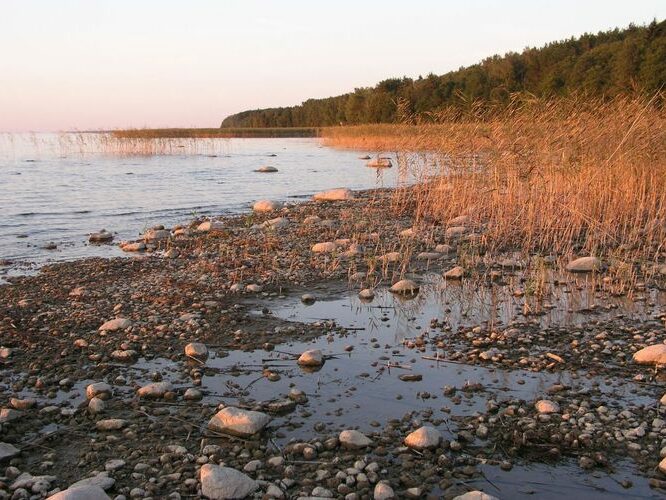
x=91, y=64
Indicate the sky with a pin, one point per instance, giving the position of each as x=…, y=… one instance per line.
x=97, y=64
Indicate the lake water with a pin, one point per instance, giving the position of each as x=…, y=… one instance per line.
x=61, y=187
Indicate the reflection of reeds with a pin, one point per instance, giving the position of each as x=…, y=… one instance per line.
x=564, y=176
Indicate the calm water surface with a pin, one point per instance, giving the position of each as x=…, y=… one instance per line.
x=60, y=188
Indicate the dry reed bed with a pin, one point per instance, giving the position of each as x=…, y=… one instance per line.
x=567, y=176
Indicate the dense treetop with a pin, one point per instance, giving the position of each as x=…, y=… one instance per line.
x=605, y=64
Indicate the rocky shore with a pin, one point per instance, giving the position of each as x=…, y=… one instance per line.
x=172, y=374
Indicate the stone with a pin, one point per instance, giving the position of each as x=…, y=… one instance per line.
x=651, y=355
x=155, y=390
x=334, y=195
x=192, y=394
x=277, y=223
x=444, y=249
x=312, y=357
x=428, y=256
x=196, y=350
x=210, y=226
x=132, y=246
x=220, y=483
x=308, y=298
x=545, y=406
x=22, y=404
x=238, y=422
x=366, y=294
x=81, y=493
x=324, y=247
x=111, y=424
x=103, y=236
x=8, y=450
x=155, y=235
x=101, y=480
x=115, y=324
x=475, y=495
x=455, y=231
x=406, y=287
x=266, y=170
x=584, y=265
x=390, y=257
x=423, y=438
x=383, y=491
x=457, y=273
x=266, y=206
x=354, y=440
x=96, y=406
x=100, y=390
x=662, y=466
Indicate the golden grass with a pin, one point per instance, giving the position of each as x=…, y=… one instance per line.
x=565, y=176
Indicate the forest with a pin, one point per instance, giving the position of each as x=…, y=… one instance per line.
x=599, y=65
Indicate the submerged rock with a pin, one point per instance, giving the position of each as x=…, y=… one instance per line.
x=238, y=422
x=266, y=170
x=334, y=195
x=353, y=440
x=423, y=438
x=312, y=357
x=584, y=265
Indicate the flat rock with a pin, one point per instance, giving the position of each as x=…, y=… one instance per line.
x=312, y=357
x=457, y=273
x=103, y=236
x=81, y=493
x=115, y=324
x=132, y=246
x=266, y=170
x=100, y=390
x=155, y=390
x=220, y=483
x=111, y=424
x=324, y=247
x=155, y=235
x=101, y=480
x=8, y=450
x=210, y=226
x=354, y=440
x=334, y=195
x=651, y=355
x=238, y=422
x=475, y=495
x=584, y=265
x=423, y=438
x=444, y=249
x=405, y=287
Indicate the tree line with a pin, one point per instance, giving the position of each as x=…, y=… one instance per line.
x=603, y=64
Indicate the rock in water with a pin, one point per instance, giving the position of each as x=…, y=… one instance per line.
x=456, y=273
x=383, y=491
x=219, y=483
x=266, y=170
x=266, y=206
x=334, y=195
x=81, y=493
x=405, y=287
x=651, y=355
x=238, y=422
x=196, y=350
x=308, y=298
x=101, y=390
x=366, y=294
x=155, y=390
x=313, y=357
x=475, y=495
x=354, y=440
x=584, y=265
x=545, y=406
x=103, y=236
x=423, y=438
x=115, y=324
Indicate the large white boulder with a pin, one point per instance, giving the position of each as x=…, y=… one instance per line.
x=238, y=422
x=219, y=483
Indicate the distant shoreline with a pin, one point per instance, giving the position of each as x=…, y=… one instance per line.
x=213, y=133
